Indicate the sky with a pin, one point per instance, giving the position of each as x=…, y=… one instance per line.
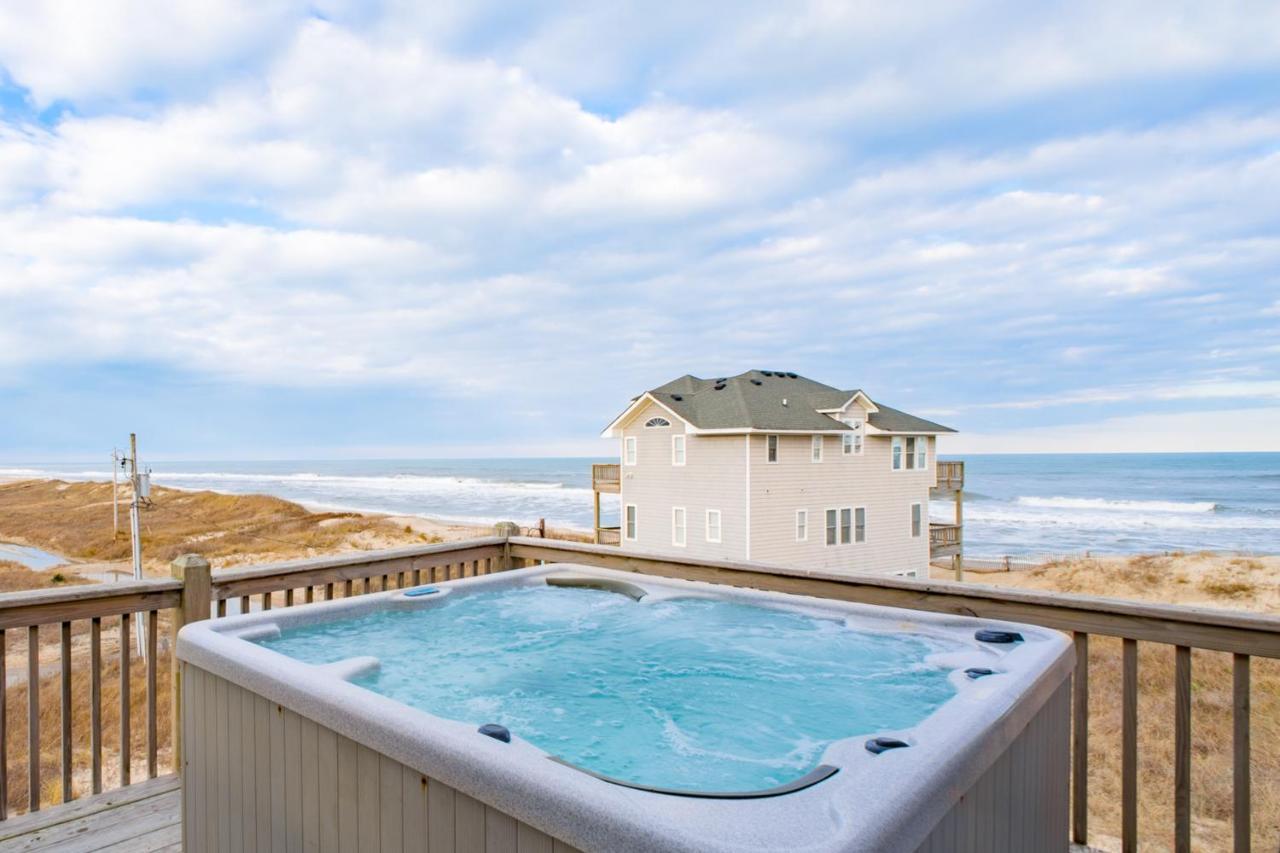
x=271, y=229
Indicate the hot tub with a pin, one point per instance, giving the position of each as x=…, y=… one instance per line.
x=565, y=707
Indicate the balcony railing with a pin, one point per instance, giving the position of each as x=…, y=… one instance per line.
x=609, y=535
x=195, y=594
x=606, y=477
x=950, y=475
x=945, y=539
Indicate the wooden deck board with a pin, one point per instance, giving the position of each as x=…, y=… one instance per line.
x=141, y=818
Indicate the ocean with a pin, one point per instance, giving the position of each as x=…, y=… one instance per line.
x=1018, y=505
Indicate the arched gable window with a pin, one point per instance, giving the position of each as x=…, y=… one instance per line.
x=657, y=422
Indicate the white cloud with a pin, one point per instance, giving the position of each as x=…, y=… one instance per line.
x=363, y=199
x=64, y=49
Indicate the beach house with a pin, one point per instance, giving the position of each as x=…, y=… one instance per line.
x=771, y=466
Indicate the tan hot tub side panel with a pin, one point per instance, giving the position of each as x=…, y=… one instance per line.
x=258, y=777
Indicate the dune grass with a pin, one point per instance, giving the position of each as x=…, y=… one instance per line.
x=74, y=520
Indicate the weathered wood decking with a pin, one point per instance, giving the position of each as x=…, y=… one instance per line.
x=142, y=818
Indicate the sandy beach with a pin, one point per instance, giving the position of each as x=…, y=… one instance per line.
x=74, y=521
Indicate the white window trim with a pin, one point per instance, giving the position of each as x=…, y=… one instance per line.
x=816, y=442
x=911, y=520
x=866, y=524
x=719, y=526
x=684, y=450
x=636, y=513
x=853, y=526
x=802, y=513
x=826, y=512
x=657, y=422
x=898, y=445
x=685, y=513
x=630, y=451
x=777, y=449
x=922, y=453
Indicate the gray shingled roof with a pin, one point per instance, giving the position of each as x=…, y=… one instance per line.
x=755, y=400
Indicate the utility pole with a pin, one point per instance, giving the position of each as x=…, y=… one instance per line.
x=141, y=482
x=116, y=464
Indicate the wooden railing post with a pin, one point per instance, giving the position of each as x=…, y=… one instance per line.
x=506, y=529
x=197, y=591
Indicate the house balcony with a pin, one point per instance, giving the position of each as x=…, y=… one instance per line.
x=608, y=535
x=606, y=477
x=949, y=477
x=945, y=540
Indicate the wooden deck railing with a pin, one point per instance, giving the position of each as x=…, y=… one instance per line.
x=72, y=610
x=1241, y=635
x=606, y=476
x=950, y=475
x=943, y=536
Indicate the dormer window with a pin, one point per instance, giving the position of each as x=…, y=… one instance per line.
x=851, y=442
x=654, y=423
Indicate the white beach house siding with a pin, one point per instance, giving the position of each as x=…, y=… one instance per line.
x=712, y=477
x=859, y=480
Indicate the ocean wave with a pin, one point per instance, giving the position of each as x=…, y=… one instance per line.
x=22, y=473
x=1032, y=518
x=1117, y=505
x=396, y=481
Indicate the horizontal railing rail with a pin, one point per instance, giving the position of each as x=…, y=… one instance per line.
x=198, y=594
x=372, y=570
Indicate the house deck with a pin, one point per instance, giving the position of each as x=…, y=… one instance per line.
x=141, y=818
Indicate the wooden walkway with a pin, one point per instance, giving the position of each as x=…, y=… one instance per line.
x=141, y=818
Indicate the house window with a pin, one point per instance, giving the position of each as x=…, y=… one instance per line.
x=922, y=452
x=771, y=443
x=897, y=453
x=677, y=450
x=846, y=526
x=816, y=447
x=851, y=442
x=911, y=451
x=677, y=526
x=860, y=524
x=831, y=526
x=802, y=525
x=629, y=450
x=656, y=422
x=916, y=523
x=713, y=525
x=629, y=524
